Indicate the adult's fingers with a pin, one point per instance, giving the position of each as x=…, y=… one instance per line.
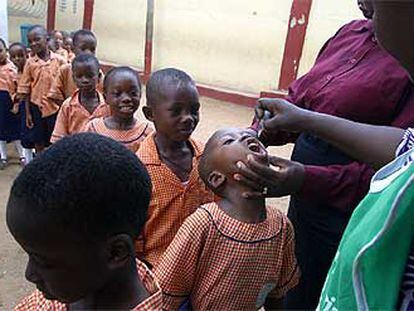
x=252, y=175
x=249, y=183
x=267, y=173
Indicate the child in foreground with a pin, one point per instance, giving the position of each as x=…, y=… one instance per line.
x=18, y=55
x=63, y=86
x=171, y=157
x=237, y=254
x=86, y=103
x=36, y=80
x=76, y=210
x=9, y=120
x=122, y=91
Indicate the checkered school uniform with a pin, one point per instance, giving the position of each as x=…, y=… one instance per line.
x=73, y=117
x=172, y=200
x=37, y=302
x=219, y=263
x=131, y=138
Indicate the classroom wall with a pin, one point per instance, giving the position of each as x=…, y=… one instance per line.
x=235, y=44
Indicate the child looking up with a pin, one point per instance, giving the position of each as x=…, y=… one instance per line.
x=76, y=210
x=18, y=55
x=9, y=120
x=86, y=103
x=171, y=157
x=59, y=41
x=36, y=80
x=122, y=91
x=64, y=86
x=237, y=254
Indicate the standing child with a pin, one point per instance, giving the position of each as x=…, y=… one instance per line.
x=38, y=75
x=64, y=86
x=237, y=254
x=9, y=120
x=76, y=210
x=171, y=157
x=60, y=50
x=122, y=91
x=18, y=55
x=68, y=46
x=86, y=103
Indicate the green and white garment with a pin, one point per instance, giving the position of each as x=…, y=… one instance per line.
x=369, y=267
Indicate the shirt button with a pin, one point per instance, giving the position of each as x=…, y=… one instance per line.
x=328, y=77
x=353, y=61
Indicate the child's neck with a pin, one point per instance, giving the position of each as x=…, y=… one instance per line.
x=244, y=210
x=117, y=123
x=44, y=55
x=124, y=292
x=167, y=146
x=89, y=99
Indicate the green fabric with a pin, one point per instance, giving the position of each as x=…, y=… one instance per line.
x=382, y=266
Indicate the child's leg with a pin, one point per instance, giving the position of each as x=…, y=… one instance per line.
x=3, y=154
x=19, y=149
x=28, y=155
x=3, y=150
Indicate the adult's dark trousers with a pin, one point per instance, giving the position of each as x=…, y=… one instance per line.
x=318, y=226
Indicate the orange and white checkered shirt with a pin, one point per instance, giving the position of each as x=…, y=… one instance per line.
x=8, y=78
x=171, y=203
x=220, y=263
x=73, y=117
x=64, y=86
x=36, y=80
x=130, y=138
x=37, y=302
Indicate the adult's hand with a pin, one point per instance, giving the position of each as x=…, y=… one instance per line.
x=283, y=115
x=281, y=178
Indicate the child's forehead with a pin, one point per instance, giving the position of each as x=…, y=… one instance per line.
x=85, y=66
x=16, y=49
x=122, y=79
x=38, y=32
x=85, y=39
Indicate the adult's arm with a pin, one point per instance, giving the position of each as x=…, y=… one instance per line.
x=375, y=145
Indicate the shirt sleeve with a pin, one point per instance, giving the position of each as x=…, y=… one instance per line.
x=61, y=125
x=25, y=81
x=178, y=266
x=344, y=186
x=57, y=91
x=290, y=273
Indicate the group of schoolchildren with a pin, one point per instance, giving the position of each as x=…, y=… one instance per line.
x=154, y=221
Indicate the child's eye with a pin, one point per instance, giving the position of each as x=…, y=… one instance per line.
x=228, y=141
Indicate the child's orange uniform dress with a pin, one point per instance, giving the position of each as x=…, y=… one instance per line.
x=171, y=203
x=73, y=117
x=130, y=138
x=219, y=263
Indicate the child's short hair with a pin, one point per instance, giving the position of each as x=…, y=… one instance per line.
x=85, y=58
x=159, y=78
x=19, y=44
x=113, y=71
x=81, y=32
x=34, y=27
x=88, y=184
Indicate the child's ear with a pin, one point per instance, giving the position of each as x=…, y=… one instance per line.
x=148, y=113
x=216, y=179
x=119, y=250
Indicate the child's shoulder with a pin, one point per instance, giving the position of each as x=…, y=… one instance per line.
x=198, y=147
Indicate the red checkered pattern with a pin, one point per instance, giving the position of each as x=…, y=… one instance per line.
x=220, y=263
x=37, y=302
x=171, y=203
x=130, y=138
